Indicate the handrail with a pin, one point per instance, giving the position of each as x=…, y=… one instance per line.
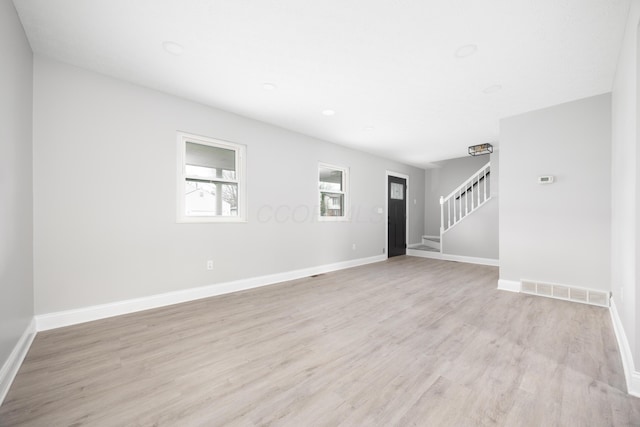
x=464, y=184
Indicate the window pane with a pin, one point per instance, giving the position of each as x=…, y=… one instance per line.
x=200, y=199
x=397, y=191
x=330, y=179
x=211, y=199
x=331, y=204
x=229, y=199
x=210, y=162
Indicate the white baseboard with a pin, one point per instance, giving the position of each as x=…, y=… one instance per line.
x=472, y=260
x=631, y=375
x=10, y=368
x=86, y=314
x=509, y=285
x=456, y=258
x=423, y=254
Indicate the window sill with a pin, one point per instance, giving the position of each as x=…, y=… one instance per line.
x=334, y=219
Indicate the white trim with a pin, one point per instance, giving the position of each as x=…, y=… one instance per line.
x=509, y=285
x=86, y=314
x=472, y=260
x=12, y=364
x=241, y=174
x=455, y=258
x=389, y=173
x=424, y=254
x=631, y=375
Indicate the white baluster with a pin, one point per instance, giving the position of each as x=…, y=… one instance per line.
x=485, y=184
x=455, y=216
x=473, y=192
x=466, y=200
x=441, y=213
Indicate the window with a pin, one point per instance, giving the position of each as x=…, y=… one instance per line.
x=333, y=186
x=210, y=180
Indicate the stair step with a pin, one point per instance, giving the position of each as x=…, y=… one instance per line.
x=425, y=248
x=432, y=242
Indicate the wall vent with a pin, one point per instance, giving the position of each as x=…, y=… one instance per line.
x=561, y=292
x=579, y=295
x=528, y=287
x=568, y=293
x=544, y=289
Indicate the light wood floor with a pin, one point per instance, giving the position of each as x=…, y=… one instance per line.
x=410, y=341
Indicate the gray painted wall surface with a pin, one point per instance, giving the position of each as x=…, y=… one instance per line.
x=105, y=186
x=625, y=184
x=559, y=233
x=476, y=235
x=442, y=180
x=16, y=224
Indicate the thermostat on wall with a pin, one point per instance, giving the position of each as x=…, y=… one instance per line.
x=546, y=179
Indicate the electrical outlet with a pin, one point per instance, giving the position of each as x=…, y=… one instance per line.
x=382, y=250
x=353, y=247
x=210, y=265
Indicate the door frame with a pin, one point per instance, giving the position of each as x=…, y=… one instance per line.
x=386, y=208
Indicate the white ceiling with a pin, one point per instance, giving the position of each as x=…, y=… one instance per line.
x=386, y=67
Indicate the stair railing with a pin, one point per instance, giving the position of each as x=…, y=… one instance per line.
x=465, y=199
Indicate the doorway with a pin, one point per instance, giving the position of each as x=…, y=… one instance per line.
x=396, y=216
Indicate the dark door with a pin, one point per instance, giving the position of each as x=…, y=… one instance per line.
x=397, y=205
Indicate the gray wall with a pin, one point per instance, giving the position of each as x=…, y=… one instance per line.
x=625, y=184
x=476, y=235
x=16, y=207
x=105, y=190
x=559, y=233
x=441, y=180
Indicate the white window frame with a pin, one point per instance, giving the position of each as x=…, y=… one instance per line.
x=240, y=160
x=345, y=192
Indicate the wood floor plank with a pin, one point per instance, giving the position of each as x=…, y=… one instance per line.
x=409, y=341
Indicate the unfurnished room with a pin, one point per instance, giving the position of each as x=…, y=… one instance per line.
x=337, y=213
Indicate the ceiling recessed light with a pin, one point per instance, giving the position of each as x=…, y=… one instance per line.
x=369, y=128
x=466, y=50
x=328, y=112
x=269, y=86
x=173, y=48
x=492, y=89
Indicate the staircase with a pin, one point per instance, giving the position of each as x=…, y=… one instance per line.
x=465, y=199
